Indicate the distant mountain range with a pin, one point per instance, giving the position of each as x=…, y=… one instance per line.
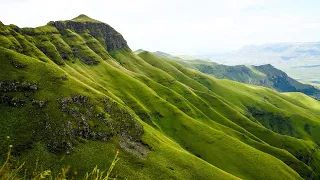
x=298, y=54
x=262, y=75
x=300, y=60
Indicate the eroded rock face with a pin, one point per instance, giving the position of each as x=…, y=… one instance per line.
x=113, y=39
x=85, y=122
x=135, y=147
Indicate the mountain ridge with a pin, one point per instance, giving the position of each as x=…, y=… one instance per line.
x=288, y=57
x=68, y=99
x=264, y=75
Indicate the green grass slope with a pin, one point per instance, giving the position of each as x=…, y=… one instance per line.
x=263, y=75
x=72, y=93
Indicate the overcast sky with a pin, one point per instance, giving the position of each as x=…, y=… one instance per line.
x=182, y=26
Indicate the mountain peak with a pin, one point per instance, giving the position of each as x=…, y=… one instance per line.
x=84, y=18
x=112, y=39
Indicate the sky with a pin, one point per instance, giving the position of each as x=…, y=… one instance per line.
x=182, y=26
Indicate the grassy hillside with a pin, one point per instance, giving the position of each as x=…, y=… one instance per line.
x=263, y=75
x=72, y=93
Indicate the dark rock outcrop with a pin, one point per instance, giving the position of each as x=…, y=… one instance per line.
x=113, y=39
x=16, y=86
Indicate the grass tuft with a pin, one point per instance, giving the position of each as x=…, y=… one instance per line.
x=9, y=171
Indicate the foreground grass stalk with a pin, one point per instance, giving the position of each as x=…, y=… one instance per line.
x=9, y=173
x=96, y=174
x=3, y=170
x=115, y=160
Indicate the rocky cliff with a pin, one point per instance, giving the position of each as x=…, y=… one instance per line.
x=83, y=38
x=113, y=39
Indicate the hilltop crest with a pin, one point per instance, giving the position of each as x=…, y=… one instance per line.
x=85, y=18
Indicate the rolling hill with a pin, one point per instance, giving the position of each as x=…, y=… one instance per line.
x=72, y=93
x=262, y=75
